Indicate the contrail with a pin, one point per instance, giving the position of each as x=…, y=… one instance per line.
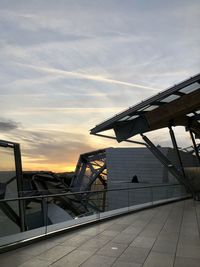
x=87, y=76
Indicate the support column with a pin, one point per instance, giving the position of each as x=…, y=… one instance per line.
x=176, y=149
x=195, y=146
x=167, y=163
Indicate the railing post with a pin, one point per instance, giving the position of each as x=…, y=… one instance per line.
x=45, y=212
x=18, y=167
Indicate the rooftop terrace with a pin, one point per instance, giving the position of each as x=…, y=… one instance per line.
x=167, y=235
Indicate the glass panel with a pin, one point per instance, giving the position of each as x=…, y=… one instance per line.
x=150, y=108
x=9, y=211
x=7, y=172
x=170, y=98
x=116, y=202
x=177, y=191
x=160, y=193
x=10, y=230
x=125, y=118
x=35, y=213
x=8, y=219
x=139, y=196
x=190, y=114
x=190, y=88
x=72, y=209
x=141, y=109
x=133, y=117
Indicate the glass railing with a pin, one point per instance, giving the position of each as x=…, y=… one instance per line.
x=45, y=213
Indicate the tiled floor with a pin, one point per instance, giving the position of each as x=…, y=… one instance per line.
x=163, y=236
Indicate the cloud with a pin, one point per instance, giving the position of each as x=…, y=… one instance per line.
x=86, y=76
x=115, y=54
x=8, y=125
x=90, y=111
x=46, y=149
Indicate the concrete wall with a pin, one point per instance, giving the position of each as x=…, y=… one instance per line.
x=124, y=163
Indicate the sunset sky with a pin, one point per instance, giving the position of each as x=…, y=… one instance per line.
x=67, y=65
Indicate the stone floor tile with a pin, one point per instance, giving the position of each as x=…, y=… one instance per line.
x=63, y=264
x=96, y=243
x=165, y=246
x=143, y=242
x=109, y=233
x=167, y=236
x=61, y=238
x=134, y=231
x=189, y=240
x=126, y=264
x=186, y=262
x=93, y=231
x=134, y=254
x=188, y=252
x=124, y=238
x=75, y=258
x=156, y=259
x=112, y=249
x=37, y=248
x=76, y=240
x=149, y=233
x=117, y=227
x=13, y=259
x=140, y=223
x=55, y=253
x=98, y=261
x=35, y=263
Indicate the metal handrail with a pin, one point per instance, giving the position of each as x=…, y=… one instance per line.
x=85, y=192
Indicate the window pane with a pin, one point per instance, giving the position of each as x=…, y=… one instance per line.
x=170, y=98
x=125, y=118
x=133, y=117
x=7, y=171
x=150, y=108
x=190, y=88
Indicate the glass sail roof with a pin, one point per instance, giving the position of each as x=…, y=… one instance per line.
x=153, y=104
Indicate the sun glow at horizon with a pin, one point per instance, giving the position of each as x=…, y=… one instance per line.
x=48, y=167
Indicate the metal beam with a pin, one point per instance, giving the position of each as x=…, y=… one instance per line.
x=178, y=156
x=195, y=146
x=114, y=138
x=167, y=163
x=18, y=167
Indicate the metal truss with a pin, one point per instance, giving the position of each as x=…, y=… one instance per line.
x=90, y=170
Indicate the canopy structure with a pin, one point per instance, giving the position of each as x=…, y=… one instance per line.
x=178, y=105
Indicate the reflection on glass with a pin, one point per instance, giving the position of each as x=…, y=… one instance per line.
x=141, y=109
x=170, y=98
x=140, y=196
x=9, y=211
x=35, y=213
x=150, y=108
x=71, y=209
x=8, y=219
x=190, y=88
x=7, y=172
x=133, y=117
x=125, y=118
